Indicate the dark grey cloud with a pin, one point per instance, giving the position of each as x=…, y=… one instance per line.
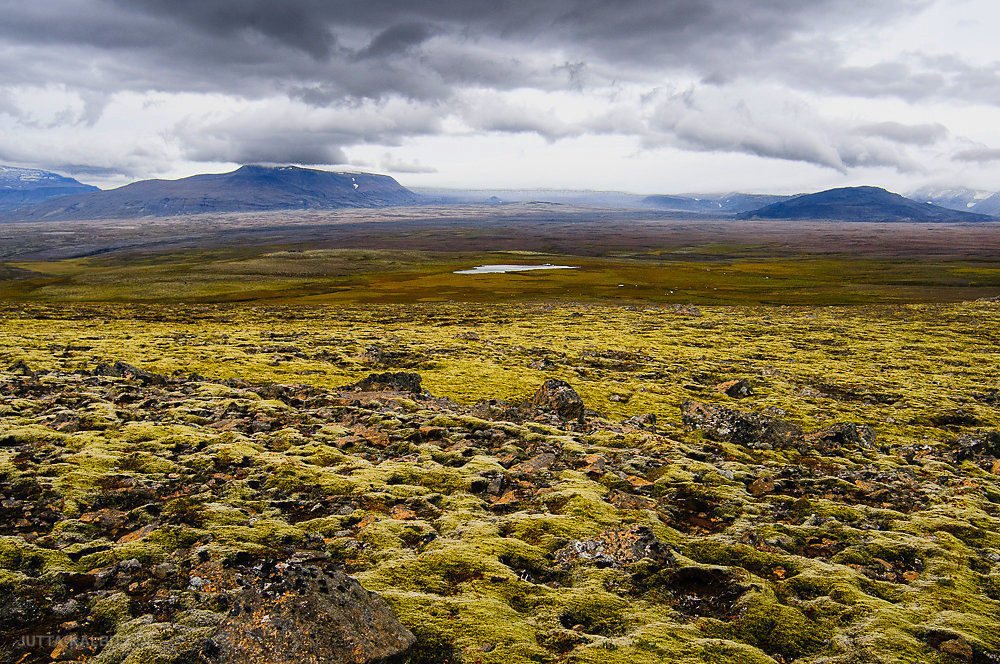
x=395, y=40
x=258, y=46
x=413, y=62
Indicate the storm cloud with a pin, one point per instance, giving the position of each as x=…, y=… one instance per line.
x=322, y=81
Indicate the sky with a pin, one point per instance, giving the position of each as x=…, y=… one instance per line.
x=642, y=96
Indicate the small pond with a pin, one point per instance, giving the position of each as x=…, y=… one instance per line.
x=501, y=269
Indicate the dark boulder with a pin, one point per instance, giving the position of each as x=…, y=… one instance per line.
x=842, y=436
x=401, y=381
x=748, y=429
x=122, y=370
x=21, y=368
x=558, y=397
x=737, y=388
x=984, y=444
x=288, y=614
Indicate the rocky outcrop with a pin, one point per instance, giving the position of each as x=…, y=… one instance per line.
x=122, y=370
x=751, y=430
x=558, y=397
x=400, y=381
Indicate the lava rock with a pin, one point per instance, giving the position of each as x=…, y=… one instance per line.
x=975, y=446
x=844, y=435
x=557, y=396
x=288, y=614
x=401, y=381
x=737, y=388
x=21, y=367
x=497, y=410
x=616, y=547
x=643, y=421
x=751, y=430
x=122, y=370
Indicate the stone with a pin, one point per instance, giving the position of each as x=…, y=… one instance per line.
x=497, y=410
x=288, y=613
x=71, y=647
x=21, y=367
x=557, y=396
x=164, y=570
x=643, y=421
x=617, y=548
x=737, y=388
x=752, y=430
x=535, y=463
x=974, y=446
x=122, y=370
x=958, y=647
x=400, y=381
x=842, y=435
x=761, y=486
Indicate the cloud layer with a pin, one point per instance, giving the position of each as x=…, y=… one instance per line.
x=148, y=87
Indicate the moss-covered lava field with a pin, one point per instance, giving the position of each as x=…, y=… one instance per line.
x=734, y=484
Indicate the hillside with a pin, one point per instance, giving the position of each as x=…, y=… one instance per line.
x=24, y=186
x=861, y=204
x=247, y=189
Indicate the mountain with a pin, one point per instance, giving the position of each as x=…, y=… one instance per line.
x=860, y=204
x=954, y=198
x=25, y=186
x=247, y=189
x=990, y=205
x=732, y=203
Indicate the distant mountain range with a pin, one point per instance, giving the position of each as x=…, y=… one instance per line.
x=860, y=204
x=614, y=199
x=30, y=195
x=955, y=198
x=733, y=203
x=247, y=189
x=20, y=187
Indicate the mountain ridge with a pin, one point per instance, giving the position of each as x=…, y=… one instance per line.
x=20, y=187
x=250, y=188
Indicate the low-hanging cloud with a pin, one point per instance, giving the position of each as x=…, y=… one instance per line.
x=978, y=155
x=280, y=131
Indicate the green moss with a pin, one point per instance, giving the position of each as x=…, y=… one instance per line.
x=17, y=555
x=144, y=641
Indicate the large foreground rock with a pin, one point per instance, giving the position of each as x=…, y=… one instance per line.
x=557, y=396
x=278, y=614
x=290, y=614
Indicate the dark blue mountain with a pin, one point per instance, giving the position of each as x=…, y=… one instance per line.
x=860, y=204
x=25, y=186
x=247, y=189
